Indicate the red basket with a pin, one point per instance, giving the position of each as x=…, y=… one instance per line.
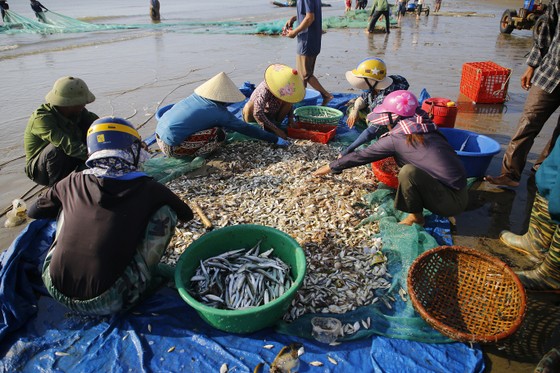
x=386, y=171
x=485, y=82
x=322, y=133
x=442, y=115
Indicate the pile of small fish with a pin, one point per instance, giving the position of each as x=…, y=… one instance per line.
x=240, y=279
x=252, y=182
x=339, y=280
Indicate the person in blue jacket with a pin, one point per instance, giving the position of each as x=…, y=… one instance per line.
x=541, y=242
x=195, y=126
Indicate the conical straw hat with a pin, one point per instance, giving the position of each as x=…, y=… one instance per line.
x=284, y=83
x=220, y=88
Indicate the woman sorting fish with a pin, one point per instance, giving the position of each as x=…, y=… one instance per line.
x=432, y=176
x=195, y=126
x=273, y=99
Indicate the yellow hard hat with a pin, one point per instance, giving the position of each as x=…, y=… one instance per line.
x=69, y=91
x=284, y=83
x=373, y=69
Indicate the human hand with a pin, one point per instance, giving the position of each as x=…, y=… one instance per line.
x=282, y=143
x=291, y=34
x=526, y=78
x=326, y=169
x=352, y=118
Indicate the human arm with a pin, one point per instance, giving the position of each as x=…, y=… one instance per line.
x=542, y=42
x=527, y=77
x=373, y=7
x=367, y=135
x=381, y=149
x=305, y=23
x=47, y=205
x=359, y=104
x=231, y=122
x=49, y=129
x=260, y=98
x=183, y=211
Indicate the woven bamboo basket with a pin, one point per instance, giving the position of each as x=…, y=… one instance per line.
x=466, y=295
x=318, y=115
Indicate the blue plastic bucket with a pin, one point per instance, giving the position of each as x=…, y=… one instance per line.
x=162, y=110
x=311, y=98
x=475, y=150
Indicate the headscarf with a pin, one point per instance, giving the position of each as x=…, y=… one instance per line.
x=420, y=122
x=116, y=163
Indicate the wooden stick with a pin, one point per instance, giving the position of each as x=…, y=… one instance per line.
x=207, y=223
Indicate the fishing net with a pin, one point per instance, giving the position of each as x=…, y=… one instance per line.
x=58, y=23
x=401, y=244
x=165, y=169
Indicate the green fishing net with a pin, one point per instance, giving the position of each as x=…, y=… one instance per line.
x=401, y=244
x=165, y=169
x=59, y=23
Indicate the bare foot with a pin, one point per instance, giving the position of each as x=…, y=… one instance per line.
x=412, y=219
x=326, y=100
x=501, y=180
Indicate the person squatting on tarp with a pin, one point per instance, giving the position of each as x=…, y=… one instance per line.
x=542, y=80
x=130, y=219
x=195, y=126
x=370, y=76
x=432, y=176
x=39, y=9
x=55, y=136
x=273, y=99
x=309, y=32
x=541, y=242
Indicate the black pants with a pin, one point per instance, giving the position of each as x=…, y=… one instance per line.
x=375, y=17
x=53, y=165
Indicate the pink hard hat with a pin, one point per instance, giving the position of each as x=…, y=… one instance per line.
x=401, y=102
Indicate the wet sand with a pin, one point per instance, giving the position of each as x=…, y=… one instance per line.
x=162, y=68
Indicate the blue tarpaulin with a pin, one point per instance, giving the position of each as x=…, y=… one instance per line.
x=164, y=334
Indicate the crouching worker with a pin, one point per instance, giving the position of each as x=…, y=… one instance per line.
x=432, y=175
x=541, y=242
x=195, y=126
x=114, y=224
x=55, y=136
x=272, y=101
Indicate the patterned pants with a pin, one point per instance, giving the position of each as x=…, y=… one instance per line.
x=139, y=280
x=199, y=144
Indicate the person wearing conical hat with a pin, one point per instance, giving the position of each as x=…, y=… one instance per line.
x=55, y=136
x=370, y=76
x=273, y=99
x=195, y=126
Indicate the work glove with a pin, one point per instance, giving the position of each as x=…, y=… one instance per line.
x=282, y=143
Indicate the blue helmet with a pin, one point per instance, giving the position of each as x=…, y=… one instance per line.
x=111, y=133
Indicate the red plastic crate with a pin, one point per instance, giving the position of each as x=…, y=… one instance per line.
x=485, y=82
x=385, y=171
x=322, y=133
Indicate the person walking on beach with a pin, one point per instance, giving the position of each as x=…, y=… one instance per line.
x=154, y=10
x=437, y=5
x=3, y=8
x=272, y=101
x=195, y=126
x=55, y=136
x=542, y=80
x=309, y=32
x=378, y=9
x=39, y=9
x=432, y=175
x=131, y=218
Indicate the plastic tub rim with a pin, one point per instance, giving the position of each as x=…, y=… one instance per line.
x=200, y=307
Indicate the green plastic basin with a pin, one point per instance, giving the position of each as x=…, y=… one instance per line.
x=238, y=237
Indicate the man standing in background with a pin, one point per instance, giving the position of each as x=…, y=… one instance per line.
x=308, y=32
